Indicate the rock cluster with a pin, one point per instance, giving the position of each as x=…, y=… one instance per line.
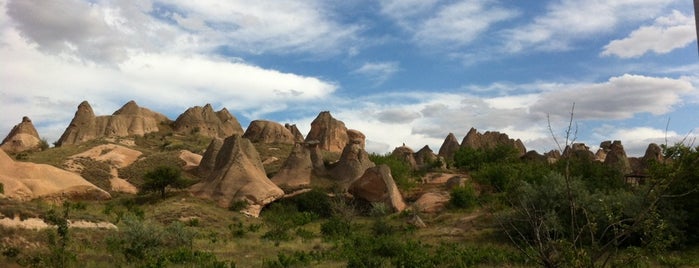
x=263, y=131
x=489, y=140
x=22, y=137
x=299, y=167
x=129, y=120
x=204, y=121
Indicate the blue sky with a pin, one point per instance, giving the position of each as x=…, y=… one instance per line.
x=406, y=71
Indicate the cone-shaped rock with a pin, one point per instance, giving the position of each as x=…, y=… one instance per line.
x=208, y=160
x=129, y=120
x=204, y=121
x=329, y=132
x=405, y=154
x=298, y=137
x=297, y=170
x=489, y=140
x=653, y=153
x=22, y=137
x=449, y=147
x=377, y=185
x=25, y=181
x=238, y=175
x=578, y=151
x=263, y=131
x=425, y=157
x=352, y=164
x=616, y=158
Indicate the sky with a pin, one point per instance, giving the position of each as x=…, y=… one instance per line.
x=409, y=71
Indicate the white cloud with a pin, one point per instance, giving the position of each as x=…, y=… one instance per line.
x=569, y=20
x=636, y=139
x=379, y=72
x=664, y=35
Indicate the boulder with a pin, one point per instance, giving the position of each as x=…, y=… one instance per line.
x=377, y=185
x=329, y=132
x=191, y=160
x=263, y=131
x=449, y=147
x=208, y=160
x=204, y=121
x=22, y=137
x=617, y=159
x=129, y=120
x=352, y=164
x=238, y=175
x=356, y=136
x=405, y=154
x=489, y=140
x=298, y=137
x=25, y=181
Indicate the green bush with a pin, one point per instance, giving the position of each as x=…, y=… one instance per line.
x=335, y=228
x=159, y=179
x=400, y=170
x=464, y=197
x=314, y=201
x=473, y=159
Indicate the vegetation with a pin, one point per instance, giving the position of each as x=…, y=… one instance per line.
x=159, y=179
x=401, y=171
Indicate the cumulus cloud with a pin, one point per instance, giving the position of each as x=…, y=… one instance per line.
x=568, y=20
x=397, y=116
x=664, y=35
x=619, y=98
x=379, y=72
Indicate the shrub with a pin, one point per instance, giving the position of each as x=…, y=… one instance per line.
x=43, y=144
x=2, y=188
x=335, y=227
x=400, y=170
x=162, y=177
x=463, y=197
x=314, y=201
x=473, y=159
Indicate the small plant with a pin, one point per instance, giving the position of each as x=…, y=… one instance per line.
x=379, y=209
x=463, y=197
x=238, y=205
x=43, y=144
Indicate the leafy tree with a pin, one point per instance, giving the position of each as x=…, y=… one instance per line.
x=162, y=177
x=463, y=197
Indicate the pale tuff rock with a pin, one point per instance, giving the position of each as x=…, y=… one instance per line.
x=616, y=158
x=489, y=140
x=204, y=121
x=297, y=169
x=298, y=137
x=449, y=147
x=263, y=131
x=22, y=137
x=330, y=133
x=208, y=160
x=356, y=136
x=377, y=185
x=352, y=164
x=405, y=154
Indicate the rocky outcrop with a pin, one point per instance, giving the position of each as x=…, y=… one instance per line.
x=25, y=181
x=191, y=160
x=405, y=154
x=22, y=137
x=204, y=121
x=356, y=136
x=329, y=132
x=432, y=202
x=238, y=175
x=640, y=165
x=654, y=153
x=208, y=160
x=316, y=158
x=298, y=137
x=263, y=131
x=352, y=164
x=489, y=140
x=297, y=170
x=578, y=151
x=449, y=147
x=425, y=157
x=129, y=120
x=377, y=185
x=617, y=159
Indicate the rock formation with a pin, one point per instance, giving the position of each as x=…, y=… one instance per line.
x=204, y=121
x=489, y=140
x=238, y=175
x=191, y=160
x=22, y=137
x=579, y=151
x=449, y=147
x=377, y=185
x=405, y=154
x=129, y=120
x=653, y=153
x=425, y=156
x=617, y=159
x=297, y=170
x=352, y=164
x=357, y=136
x=298, y=137
x=25, y=181
x=431, y=202
x=208, y=160
x=329, y=132
x=263, y=131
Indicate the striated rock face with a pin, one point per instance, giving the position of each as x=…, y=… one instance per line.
x=25, y=181
x=263, y=131
x=449, y=147
x=407, y=155
x=329, y=132
x=208, y=160
x=204, y=121
x=238, y=175
x=129, y=120
x=490, y=139
x=298, y=137
x=356, y=136
x=22, y=137
x=616, y=158
x=297, y=169
x=352, y=164
x=377, y=185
